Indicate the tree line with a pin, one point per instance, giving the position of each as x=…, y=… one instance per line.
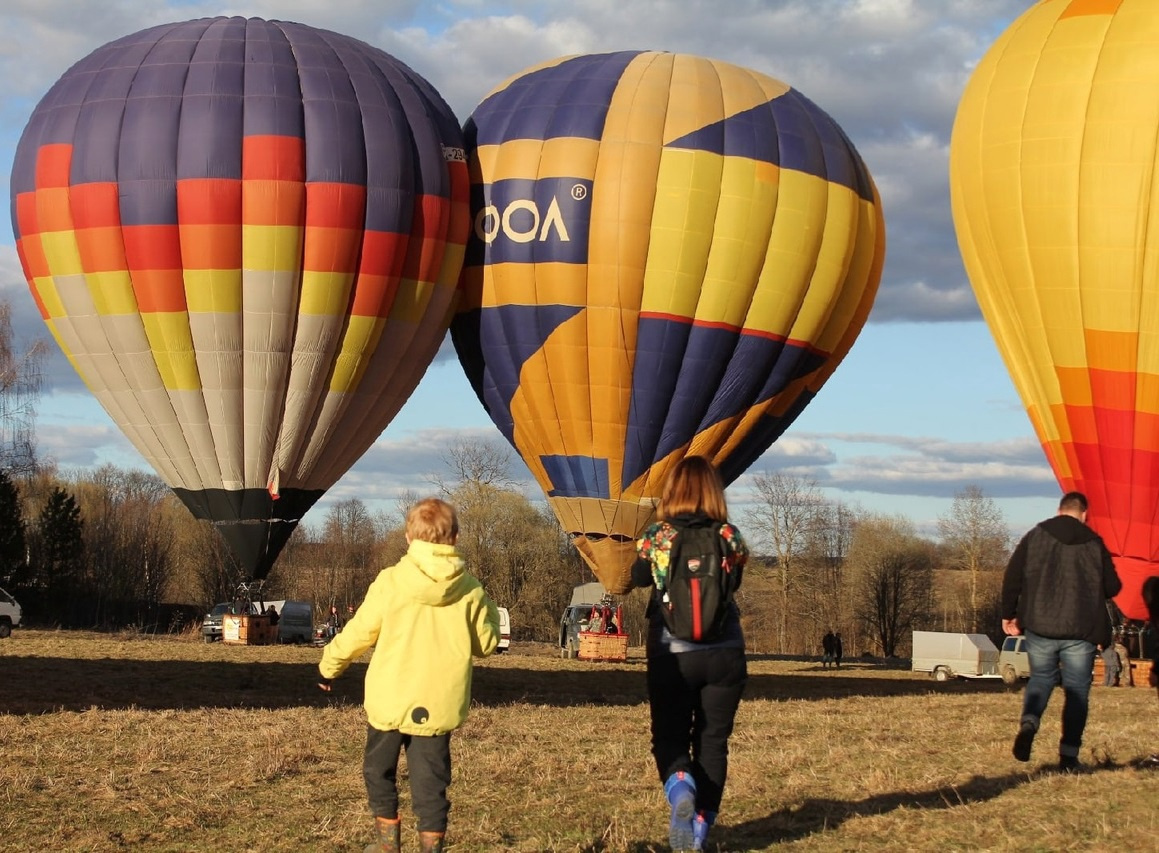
x=111, y=548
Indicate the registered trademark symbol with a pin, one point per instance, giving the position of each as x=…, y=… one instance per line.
x=579, y=192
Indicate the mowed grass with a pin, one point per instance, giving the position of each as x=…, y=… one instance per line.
x=113, y=742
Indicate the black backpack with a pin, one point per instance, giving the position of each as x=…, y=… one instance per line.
x=699, y=586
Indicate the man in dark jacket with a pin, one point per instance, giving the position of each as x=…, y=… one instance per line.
x=1055, y=591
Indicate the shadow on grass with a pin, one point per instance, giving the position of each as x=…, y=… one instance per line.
x=813, y=816
x=34, y=685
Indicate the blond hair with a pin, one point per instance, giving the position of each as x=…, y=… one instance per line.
x=432, y=520
x=693, y=486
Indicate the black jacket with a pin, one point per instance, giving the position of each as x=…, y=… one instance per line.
x=1058, y=580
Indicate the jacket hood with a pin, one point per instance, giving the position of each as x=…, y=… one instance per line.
x=1068, y=530
x=432, y=574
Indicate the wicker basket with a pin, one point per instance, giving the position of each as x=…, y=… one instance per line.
x=603, y=646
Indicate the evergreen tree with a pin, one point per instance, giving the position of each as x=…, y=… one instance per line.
x=61, y=567
x=13, y=555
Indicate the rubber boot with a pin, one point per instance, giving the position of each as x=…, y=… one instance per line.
x=387, y=835
x=680, y=789
x=432, y=842
x=700, y=826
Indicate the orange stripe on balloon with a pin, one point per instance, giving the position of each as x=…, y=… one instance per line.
x=266, y=202
x=1107, y=350
x=331, y=250
x=27, y=220
x=211, y=247
x=424, y=257
x=95, y=205
x=101, y=249
x=153, y=253
x=334, y=205
x=52, y=165
x=209, y=201
x=1078, y=8
x=273, y=158
x=54, y=210
x=378, y=275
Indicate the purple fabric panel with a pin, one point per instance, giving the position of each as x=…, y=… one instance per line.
x=273, y=100
x=335, y=149
x=209, y=135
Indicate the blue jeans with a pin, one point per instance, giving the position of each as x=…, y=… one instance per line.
x=1054, y=662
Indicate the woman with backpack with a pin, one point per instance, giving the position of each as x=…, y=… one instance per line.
x=693, y=558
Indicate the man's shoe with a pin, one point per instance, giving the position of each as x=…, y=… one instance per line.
x=1071, y=764
x=680, y=789
x=1024, y=741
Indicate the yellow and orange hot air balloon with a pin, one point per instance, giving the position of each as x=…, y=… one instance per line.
x=246, y=235
x=1055, y=197
x=670, y=255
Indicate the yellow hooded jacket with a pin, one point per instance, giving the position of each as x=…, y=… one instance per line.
x=425, y=618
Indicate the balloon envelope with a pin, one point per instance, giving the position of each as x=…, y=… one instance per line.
x=669, y=256
x=246, y=236
x=1052, y=178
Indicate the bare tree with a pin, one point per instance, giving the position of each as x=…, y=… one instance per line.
x=20, y=380
x=891, y=570
x=977, y=540
x=351, y=536
x=782, y=520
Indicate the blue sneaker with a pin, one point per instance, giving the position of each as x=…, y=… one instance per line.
x=700, y=826
x=680, y=789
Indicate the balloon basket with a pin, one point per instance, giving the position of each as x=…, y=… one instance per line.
x=247, y=630
x=613, y=647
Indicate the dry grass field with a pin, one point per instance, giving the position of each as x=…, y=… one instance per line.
x=115, y=742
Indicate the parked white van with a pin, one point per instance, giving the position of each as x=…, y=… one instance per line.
x=504, y=630
x=10, y=614
x=295, y=621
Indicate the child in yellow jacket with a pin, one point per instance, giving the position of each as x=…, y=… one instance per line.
x=426, y=618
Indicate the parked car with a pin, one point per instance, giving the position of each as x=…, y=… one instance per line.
x=10, y=614
x=1013, y=661
x=211, y=625
x=575, y=619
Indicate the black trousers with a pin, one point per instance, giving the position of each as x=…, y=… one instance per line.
x=694, y=697
x=428, y=761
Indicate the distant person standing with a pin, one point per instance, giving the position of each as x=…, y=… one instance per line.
x=827, y=649
x=1054, y=591
x=838, y=650
x=1123, y=656
x=1110, y=656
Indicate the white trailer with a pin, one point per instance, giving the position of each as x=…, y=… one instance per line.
x=947, y=655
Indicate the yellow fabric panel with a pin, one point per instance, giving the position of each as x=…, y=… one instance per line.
x=112, y=292
x=837, y=226
x=529, y=159
x=272, y=247
x=213, y=291
x=410, y=301
x=863, y=272
x=45, y=287
x=62, y=253
x=325, y=293
x=793, y=245
x=748, y=196
x=172, y=347
x=683, y=224
x=360, y=338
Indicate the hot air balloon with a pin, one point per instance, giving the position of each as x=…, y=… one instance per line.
x=246, y=236
x=669, y=256
x=1052, y=170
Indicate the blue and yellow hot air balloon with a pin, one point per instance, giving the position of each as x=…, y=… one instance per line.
x=246, y=236
x=670, y=255
x=1053, y=185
